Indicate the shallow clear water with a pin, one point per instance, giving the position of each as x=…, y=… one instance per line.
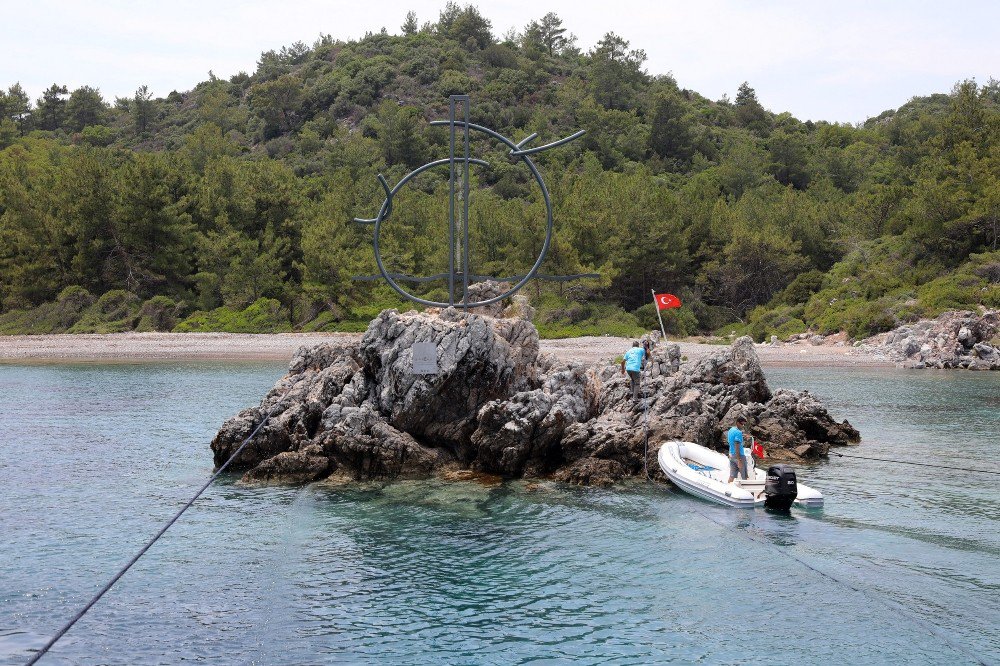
x=902, y=564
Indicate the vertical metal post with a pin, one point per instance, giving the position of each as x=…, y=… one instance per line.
x=451, y=201
x=657, y=306
x=465, y=211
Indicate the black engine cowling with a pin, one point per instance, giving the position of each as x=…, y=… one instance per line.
x=780, y=488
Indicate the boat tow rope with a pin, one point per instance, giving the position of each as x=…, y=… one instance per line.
x=907, y=462
x=142, y=551
x=872, y=595
x=910, y=462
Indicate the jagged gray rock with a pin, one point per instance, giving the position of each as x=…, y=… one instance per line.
x=497, y=406
x=959, y=339
x=483, y=291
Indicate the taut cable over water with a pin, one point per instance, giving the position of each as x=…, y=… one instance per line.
x=910, y=462
x=142, y=551
x=862, y=590
x=929, y=627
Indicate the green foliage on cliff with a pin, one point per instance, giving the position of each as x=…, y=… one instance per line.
x=226, y=207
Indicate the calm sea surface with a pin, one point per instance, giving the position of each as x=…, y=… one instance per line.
x=902, y=564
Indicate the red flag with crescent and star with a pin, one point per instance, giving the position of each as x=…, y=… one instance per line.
x=667, y=301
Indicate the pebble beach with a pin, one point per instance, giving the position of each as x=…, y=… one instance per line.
x=145, y=347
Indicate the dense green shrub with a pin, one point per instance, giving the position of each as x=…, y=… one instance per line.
x=859, y=318
x=114, y=312
x=789, y=328
x=33, y=321
x=621, y=329
x=782, y=322
x=978, y=279
x=734, y=330
x=158, y=314
x=13, y=322
x=98, y=135
x=324, y=321
x=951, y=292
x=55, y=317
x=561, y=318
x=71, y=301
x=710, y=317
x=327, y=322
x=265, y=315
x=800, y=289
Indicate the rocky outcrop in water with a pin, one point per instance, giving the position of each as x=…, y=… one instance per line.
x=497, y=406
x=954, y=340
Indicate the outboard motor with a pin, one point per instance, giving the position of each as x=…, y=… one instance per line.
x=780, y=488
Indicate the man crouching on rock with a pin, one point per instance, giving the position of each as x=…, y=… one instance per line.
x=737, y=461
x=632, y=362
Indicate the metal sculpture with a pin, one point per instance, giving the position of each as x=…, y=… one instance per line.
x=458, y=230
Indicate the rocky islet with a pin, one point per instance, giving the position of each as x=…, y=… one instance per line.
x=498, y=406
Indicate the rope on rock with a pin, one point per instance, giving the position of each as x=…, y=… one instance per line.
x=920, y=464
x=645, y=425
x=142, y=551
x=645, y=453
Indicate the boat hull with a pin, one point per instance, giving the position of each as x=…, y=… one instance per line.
x=702, y=472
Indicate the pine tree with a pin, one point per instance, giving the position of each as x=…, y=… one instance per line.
x=142, y=109
x=52, y=107
x=85, y=107
x=409, y=26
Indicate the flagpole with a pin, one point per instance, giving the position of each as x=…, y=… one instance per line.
x=658, y=315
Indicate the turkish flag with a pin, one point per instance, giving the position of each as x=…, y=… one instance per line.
x=756, y=449
x=667, y=301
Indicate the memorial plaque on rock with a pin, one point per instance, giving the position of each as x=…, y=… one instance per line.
x=425, y=358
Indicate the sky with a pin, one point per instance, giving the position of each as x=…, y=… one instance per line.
x=836, y=61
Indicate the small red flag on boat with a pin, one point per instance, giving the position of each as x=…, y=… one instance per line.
x=757, y=449
x=666, y=301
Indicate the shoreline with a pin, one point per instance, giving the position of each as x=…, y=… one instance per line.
x=179, y=347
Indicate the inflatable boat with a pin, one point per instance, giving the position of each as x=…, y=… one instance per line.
x=704, y=472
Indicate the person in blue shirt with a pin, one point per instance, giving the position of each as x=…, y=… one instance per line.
x=737, y=461
x=633, y=362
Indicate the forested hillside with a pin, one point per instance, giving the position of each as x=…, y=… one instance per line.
x=227, y=207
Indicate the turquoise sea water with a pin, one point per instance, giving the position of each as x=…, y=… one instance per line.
x=901, y=565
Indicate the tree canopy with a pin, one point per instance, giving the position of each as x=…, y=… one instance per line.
x=235, y=196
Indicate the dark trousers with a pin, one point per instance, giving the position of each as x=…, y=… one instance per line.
x=634, y=375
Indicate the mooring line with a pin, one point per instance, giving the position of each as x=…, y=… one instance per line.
x=880, y=598
x=911, y=462
x=121, y=572
x=929, y=627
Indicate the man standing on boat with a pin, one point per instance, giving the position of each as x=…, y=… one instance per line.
x=632, y=363
x=737, y=461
